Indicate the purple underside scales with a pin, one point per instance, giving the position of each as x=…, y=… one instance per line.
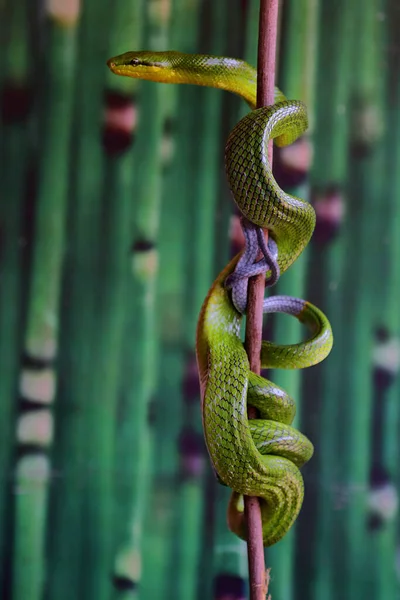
x=249, y=266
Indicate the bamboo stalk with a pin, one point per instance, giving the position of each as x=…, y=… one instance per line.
x=265, y=96
x=15, y=154
x=41, y=335
x=239, y=40
x=206, y=168
x=190, y=498
x=136, y=269
x=213, y=40
x=122, y=119
x=229, y=557
x=297, y=80
x=79, y=526
x=159, y=567
x=48, y=252
x=134, y=451
x=230, y=554
x=382, y=578
x=353, y=459
x=326, y=266
x=32, y=475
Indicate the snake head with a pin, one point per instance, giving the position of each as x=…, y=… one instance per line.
x=141, y=65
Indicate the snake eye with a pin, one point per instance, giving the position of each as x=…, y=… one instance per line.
x=134, y=62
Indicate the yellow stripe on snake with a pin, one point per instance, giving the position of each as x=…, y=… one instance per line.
x=260, y=457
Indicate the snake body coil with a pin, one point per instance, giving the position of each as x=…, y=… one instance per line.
x=260, y=457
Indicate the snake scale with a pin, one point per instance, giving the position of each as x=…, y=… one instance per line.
x=259, y=457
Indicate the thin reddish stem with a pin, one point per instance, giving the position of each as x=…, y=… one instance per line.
x=265, y=95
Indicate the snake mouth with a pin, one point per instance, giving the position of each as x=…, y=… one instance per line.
x=136, y=71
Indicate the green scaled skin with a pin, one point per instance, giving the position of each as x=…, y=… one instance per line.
x=231, y=74
x=260, y=457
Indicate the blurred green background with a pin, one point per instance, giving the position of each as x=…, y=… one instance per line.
x=114, y=219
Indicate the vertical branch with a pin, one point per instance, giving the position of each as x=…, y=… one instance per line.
x=265, y=96
x=267, y=54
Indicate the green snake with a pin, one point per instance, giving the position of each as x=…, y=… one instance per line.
x=259, y=457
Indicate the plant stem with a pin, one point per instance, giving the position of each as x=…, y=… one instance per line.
x=265, y=95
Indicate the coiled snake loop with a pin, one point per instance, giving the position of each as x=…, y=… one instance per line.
x=260, y=457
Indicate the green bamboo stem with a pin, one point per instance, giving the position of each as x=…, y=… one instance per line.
x=206, y=168
x=229, y=557
x=126, y=33
x=79, y=526
x=190, y=522
x=170, y=302
x=239, y=43
x=230, y=553
x=32, y=475
x=382, y=578
x=386, y=313
x=134, y=444
x=330, y=168
x=135, y=383
x=185, y=550
x=160, y=574
x=297, y=79
x=355, y=383
x=49, y=228
x=209, y=164
x=386, y=584
x=206, y=259
x=390, y=310
x=14, y=155
x=43, y=307
x=101, y=412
